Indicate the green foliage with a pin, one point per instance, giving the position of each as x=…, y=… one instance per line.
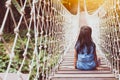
x=17, y=6
x=19, y=49
x=4, y=59
x=9, y=37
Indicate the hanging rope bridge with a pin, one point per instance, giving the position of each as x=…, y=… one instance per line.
x=39, y=45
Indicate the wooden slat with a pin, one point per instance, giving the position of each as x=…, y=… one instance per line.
x=101, y=66
x=13, y=76
x=85, y=75
x=83, y=78
x=72, y=61
x=70, y=64
x=66, y=71
x=83, y=72
x=67, y=60
x=72, y=69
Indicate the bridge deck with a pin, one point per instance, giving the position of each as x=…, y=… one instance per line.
x=66, y=70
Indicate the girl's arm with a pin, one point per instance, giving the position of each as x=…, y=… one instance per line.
x=75, y=58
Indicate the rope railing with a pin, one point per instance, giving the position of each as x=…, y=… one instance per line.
x=109, y=25
x=41, y=33
x=110, y=33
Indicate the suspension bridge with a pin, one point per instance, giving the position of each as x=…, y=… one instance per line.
x=37, y=39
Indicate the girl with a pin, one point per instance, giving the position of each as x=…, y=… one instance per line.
x=85, y=50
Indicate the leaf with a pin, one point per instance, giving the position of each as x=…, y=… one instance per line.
x=17, y=6
x=2, y=70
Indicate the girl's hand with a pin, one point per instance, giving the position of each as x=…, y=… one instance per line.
x=75, y=67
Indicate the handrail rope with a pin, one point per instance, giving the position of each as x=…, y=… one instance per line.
x=108, y=19
x=67, y=48
x=118, y=4
x=8, y=4
x=13, y=18
x=56, y=33
x=45, y=46
x=36, y=41
x=46, y=43
x=37, y=56
x=106, y=23
x=26, y=49
x=16, y=30
x=117, y=39
x=114, y=44
x=35, y=52
x=113, y=25
x=49, y=56
x=21, y=2
x=95, y=12
x=63, y=8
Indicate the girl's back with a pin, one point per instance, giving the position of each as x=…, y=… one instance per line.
x=85, y=60
x=85, y=51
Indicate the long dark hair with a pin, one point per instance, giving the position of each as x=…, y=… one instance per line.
x=84, y=39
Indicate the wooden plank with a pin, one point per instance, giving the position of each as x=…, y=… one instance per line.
x=73, y=69
x=85, y=75
x=13, y=76
x=83, y=78
x=67, y=60
x=71, y=59
x=70, y=64
x=83, y=72
x=66, y=71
